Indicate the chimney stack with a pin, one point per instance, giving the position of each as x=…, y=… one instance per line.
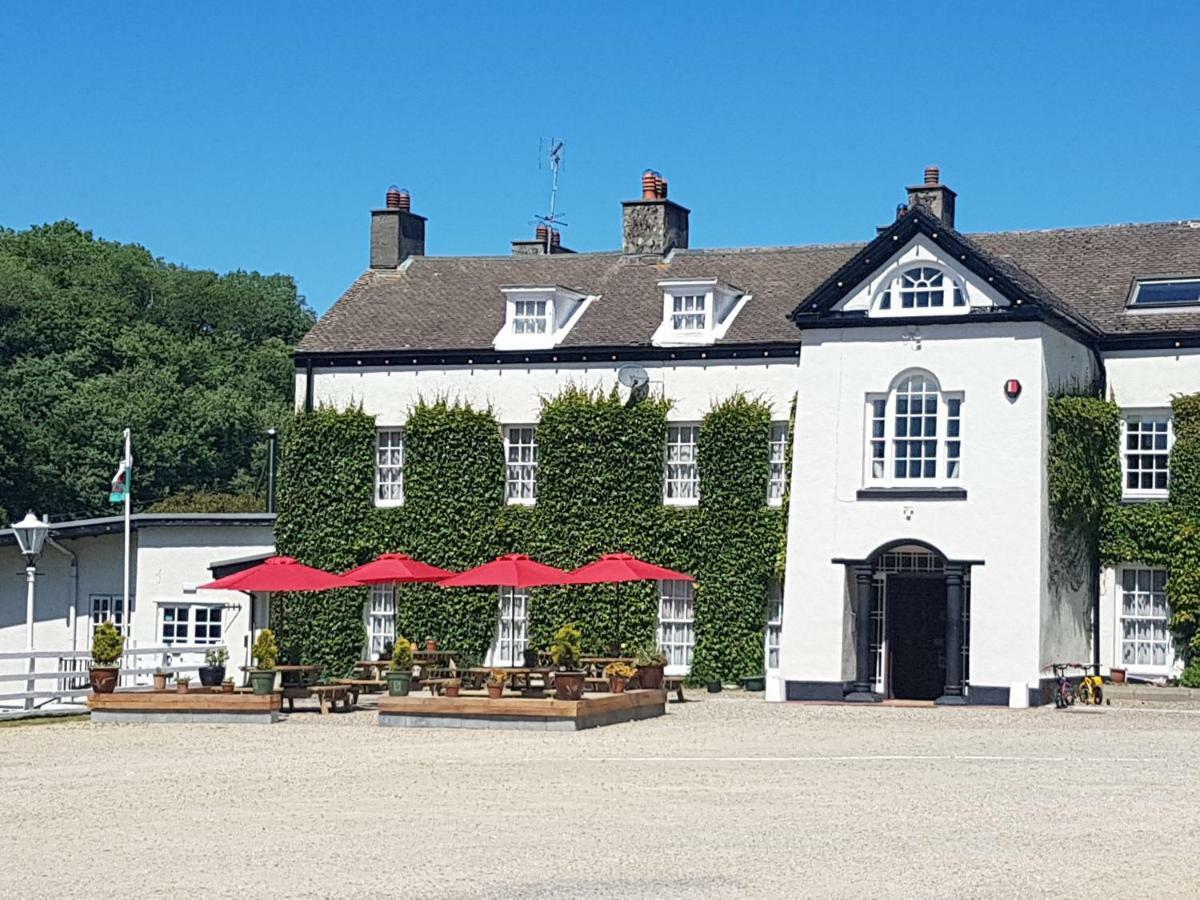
x=935, y=197
x=396, y=231
x=544, y=241
x=654, y=224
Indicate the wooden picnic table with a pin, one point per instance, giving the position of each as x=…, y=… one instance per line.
x=517, y=674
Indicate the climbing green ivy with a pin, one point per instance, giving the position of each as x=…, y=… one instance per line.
x=599, y=490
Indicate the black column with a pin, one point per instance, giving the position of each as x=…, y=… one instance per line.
x=952, y=694
x=863, y=676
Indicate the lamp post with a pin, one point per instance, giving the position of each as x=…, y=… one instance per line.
x=31, y=535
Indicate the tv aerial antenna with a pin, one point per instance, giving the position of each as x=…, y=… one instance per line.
x=551, y=150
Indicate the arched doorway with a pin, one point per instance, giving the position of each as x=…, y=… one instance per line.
x=912, y=624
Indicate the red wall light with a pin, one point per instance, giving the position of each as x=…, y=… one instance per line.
x=1012, y=389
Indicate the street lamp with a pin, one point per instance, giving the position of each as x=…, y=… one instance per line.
x=31, y=535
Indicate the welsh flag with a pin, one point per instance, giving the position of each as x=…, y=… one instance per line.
x=120, y=489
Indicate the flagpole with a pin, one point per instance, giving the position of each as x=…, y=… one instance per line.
x=128, y=505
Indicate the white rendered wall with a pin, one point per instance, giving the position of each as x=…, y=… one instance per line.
x=515, y=392
x=1000, y=522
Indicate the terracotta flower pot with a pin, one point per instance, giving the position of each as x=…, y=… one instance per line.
x=453, y=689
x=160, y=681
x=1117, y=676
x=616, y=684
x=495, y=691
x=226, y=687
x=181, y=687
x=650, y=677
x=568, y=685
x=431, y=646
x=104, y=680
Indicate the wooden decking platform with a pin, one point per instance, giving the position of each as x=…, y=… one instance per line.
x=148, y=706
x=531, y=713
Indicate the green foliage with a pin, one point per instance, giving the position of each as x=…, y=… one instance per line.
x=402, y=656
x=97, y=336
x=107, y=646
x=1191, y=675
x=210, y=502
x=217, y=656
x=265, y=651
x=649, y=655
x=1084, y=466
x=566, y=648
x=599, y=490
x=1185, y=455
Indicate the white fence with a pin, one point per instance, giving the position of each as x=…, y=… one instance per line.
x=61, y=676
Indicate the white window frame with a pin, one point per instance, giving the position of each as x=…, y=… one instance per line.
x=532, y=316
x=539, y=317
x=108, y=608
x=677, y=624
x=889, y=295
x=520, y=475
x=190, y=625
x=379, y=618
x=880, y=435
x=690, y=312
x=1151, y=668
x=717, y=303
x=774, y=634
x=1140, y=493
x=679, y=488
x=777, y=480
x=389, y=476
x=510, y=640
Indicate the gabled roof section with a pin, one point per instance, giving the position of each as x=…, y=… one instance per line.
x=1030, y=298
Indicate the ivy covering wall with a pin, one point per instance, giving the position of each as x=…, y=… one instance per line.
x=599, y=482
x=1085, y=494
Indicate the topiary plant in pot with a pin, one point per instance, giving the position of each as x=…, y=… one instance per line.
x=497, y=678
x=266, y=654
x=107, y=649
x=399, y=676
x=618, y=675
x=566, y=650
x=212, y=672
x=650, y=662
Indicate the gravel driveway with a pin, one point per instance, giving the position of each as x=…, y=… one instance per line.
x=724, y=797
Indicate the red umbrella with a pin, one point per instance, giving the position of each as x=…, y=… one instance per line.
x=616, y=568
x=280, y=573
x=515, y=570
x=396, y=568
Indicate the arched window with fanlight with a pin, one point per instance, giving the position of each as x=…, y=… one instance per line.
x=920, y=290
x=914, y=433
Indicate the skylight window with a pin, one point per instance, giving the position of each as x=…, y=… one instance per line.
x=1166, y=292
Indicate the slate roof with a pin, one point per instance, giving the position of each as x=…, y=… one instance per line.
x=454, y=303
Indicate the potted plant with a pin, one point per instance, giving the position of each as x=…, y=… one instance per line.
x=212, y=672
x=453, y=686
x=650, y=662
x=566, y=650
x=495, y=683
x=1117, y=676
x=182, y=683
x=399, y=675
x=227, y=686
x=160, y=679
x=618, y=675
x=754, y=683
x=430, y=645
x=107, y=648
x=714, y=687
x=265, y=653
x=529, y=658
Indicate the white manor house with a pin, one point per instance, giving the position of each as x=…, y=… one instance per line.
x=919, y=364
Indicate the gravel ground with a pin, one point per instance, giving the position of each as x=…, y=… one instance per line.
x=724, y=797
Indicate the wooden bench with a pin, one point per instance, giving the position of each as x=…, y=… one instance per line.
x=362, y=685
x=674, y=683
x=292, y=693
x=596, y=685
x=328, y=696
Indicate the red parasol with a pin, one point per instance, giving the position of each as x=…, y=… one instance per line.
x=280, y=573
x=616, y=568
x=515, y=570
x=396, y=568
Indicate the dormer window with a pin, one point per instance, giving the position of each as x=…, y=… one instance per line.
x=697, y=311
x=1166, y=293
x=539, y=317
x=921, y=290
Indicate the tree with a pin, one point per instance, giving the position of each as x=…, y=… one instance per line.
x=98, y=336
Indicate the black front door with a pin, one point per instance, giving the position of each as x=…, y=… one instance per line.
x=916, y=626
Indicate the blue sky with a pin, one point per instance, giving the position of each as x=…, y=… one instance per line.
x=258, y=135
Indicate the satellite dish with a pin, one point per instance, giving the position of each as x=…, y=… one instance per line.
x=632, y=376
x=637, y=380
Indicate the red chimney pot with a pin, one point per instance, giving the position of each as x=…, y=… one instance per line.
x=393, y=197
x=542, y=233
x=932, y=175
x=649, y=185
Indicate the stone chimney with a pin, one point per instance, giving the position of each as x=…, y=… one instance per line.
x=396, y=231
x=654, y=224
x=935, y=197
x=544, y=241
